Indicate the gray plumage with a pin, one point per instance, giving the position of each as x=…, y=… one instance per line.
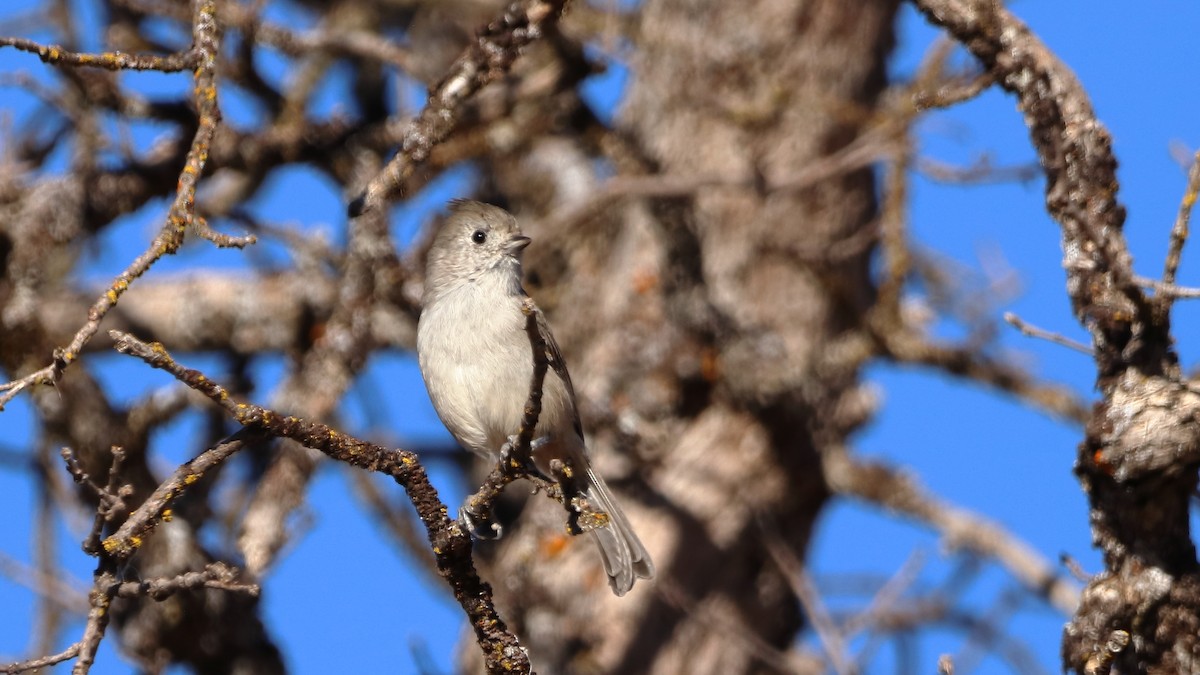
x=477, y=363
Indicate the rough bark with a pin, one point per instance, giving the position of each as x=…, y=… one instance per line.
x=1139, y=458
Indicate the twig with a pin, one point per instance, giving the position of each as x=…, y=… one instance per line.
x=888, y=595
x=451, y=546
x=1030, y=330
x=1075, y=151
x=802, y=585
x=110, y=499
x=982, y=171
x=1075, y=568
x=100, y=600
x=338, y=355
x=55, y=55
x=907, y=346
x=881, y=485
x=490, y=56
x=865, y=150
x=930, y=90
x=1167, y=290
x=60, y=591
x=519, y=463
x=133, y=532
x=1180, y=231
x=206, y=46
x=533, y=407
x=201, y=228
x=42, y=662
x=215, y=575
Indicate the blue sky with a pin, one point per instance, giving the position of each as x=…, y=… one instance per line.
x=973, y=447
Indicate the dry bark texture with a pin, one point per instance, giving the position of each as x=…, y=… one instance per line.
x=1138, y=461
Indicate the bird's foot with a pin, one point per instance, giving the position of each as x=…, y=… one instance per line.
x=523, y=461
x=480, y=525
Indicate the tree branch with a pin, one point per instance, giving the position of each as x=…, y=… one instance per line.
x=451, y=546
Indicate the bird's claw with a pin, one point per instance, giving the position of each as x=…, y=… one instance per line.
x=524, y=461
x=480, y=526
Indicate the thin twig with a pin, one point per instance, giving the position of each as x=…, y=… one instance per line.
x=42, y=662
x=518, y=463
x=1180, y=231
x=100, y=600
x=888, y=595
x=1075, y=568
x=908, y=346
x=886, y=487
x=814, y=608
x=1075, y=151
x=864, y=151
x=201, y=228
x=931, y=89
x=1167, y=290
x=214, y=575
x=55, y=55
x=1030, y=330
x=981, y=172
x=489, y=56
x=132, y=533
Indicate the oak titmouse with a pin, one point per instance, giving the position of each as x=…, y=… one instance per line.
x=476, y=358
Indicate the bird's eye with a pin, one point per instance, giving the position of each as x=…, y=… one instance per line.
x=479, y=236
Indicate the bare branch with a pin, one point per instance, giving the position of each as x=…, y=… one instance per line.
x=55, y=55
x=215, y=575
x=1167, y=291
x=451, y=546
x=1030, y=330
x=206, y=45
x=491, y=55
x=907, y=347
x=888, y=488
x=832, y=638
x=42, y=662
x=157, y=507
x=1180, y=231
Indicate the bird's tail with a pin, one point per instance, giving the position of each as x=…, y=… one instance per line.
x=625, y=559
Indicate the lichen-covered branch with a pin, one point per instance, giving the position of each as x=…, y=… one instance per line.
x=450, y=544
x=206, y=45
x=1138, y=461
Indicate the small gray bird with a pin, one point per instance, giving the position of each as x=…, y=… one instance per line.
x=477, y=363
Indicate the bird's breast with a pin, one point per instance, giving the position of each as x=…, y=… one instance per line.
x=477, y=363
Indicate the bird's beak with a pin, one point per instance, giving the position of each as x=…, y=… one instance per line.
x=518, y=243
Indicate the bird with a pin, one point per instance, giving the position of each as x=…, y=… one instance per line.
x=476, y=358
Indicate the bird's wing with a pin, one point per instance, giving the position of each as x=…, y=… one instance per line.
x=555, y=359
